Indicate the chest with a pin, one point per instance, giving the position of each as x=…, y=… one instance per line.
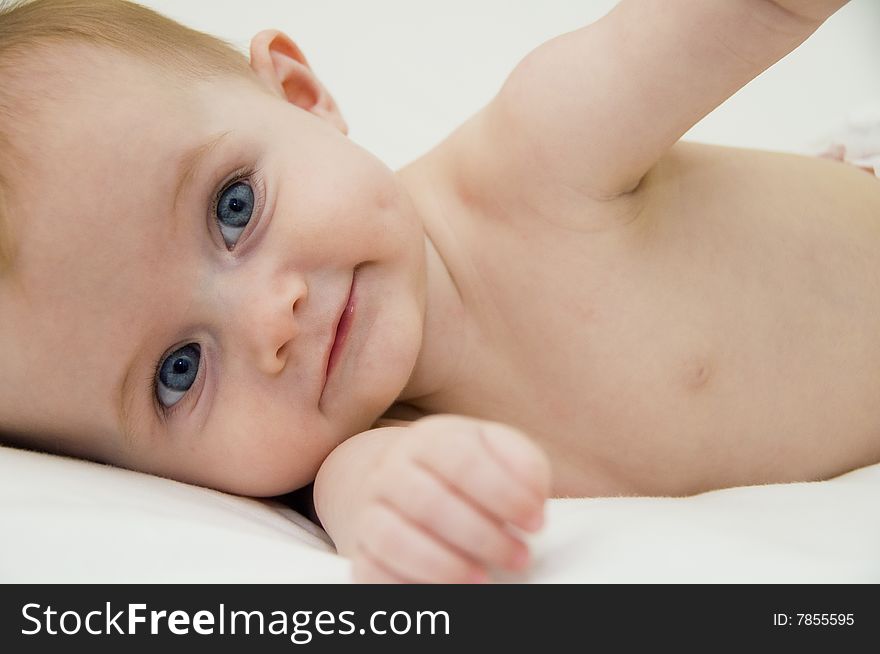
x=568, y=333
x=675, y=338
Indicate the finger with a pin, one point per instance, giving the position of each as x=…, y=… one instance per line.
x=367, y=570
x=407, y=551
x=519, y=454
x=426, y=500
x=462, y=461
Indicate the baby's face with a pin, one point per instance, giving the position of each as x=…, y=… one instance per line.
x=185, y=254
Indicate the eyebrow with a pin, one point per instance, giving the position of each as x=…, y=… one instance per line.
x=192, y=159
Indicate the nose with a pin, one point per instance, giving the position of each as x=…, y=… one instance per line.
x=268, y=319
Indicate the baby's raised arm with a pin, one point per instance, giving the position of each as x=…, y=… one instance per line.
x=433, y=501
x=595, y=108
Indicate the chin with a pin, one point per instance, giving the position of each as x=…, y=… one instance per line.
x=270, y=483
x=383, y=374
x=383, y=346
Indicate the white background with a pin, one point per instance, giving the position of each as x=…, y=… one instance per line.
x=407, y=72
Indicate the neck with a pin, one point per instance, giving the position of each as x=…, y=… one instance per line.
x=447, y=327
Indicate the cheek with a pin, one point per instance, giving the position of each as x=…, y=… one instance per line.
x=388, y=213
x=265, y=454
x=246, y=452
x=352, y=208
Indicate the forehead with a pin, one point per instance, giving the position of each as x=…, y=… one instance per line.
x=106, y=158
x=97, y=180
x=97, y=82
x=102, y=109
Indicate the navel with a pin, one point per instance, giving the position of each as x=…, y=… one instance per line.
x=697, y=373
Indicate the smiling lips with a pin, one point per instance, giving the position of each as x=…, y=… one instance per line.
x=343, y=326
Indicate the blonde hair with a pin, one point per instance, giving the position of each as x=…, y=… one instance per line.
x=119, y=24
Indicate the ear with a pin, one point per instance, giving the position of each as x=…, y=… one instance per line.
x=283, y=69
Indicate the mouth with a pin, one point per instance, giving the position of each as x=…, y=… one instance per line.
x=341, y=330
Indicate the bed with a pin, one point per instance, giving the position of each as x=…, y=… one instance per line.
x=77, y=521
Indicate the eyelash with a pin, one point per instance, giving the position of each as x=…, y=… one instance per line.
x=166, y=413
x=252, y=175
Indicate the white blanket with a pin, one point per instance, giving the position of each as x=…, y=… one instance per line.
x=72, y=521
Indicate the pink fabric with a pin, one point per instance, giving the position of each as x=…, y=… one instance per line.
x=857, y=140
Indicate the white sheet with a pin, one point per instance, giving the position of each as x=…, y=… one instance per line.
x=73, y=521
x=786, y=533
x=66, y=520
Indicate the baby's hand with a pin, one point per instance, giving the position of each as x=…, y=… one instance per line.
x=438, y=507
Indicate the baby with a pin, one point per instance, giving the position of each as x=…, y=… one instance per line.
x=204, y=278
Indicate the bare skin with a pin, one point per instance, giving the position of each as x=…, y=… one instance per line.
x=719, y=331
x=560, y=299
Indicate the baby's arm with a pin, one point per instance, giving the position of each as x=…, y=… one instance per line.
x=432, y=501
x=595, y=108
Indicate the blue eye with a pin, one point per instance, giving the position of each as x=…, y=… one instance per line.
x=235, y=206
x=177, y=373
